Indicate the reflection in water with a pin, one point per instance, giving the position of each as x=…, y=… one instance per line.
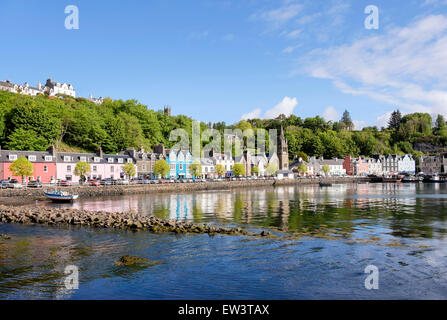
x=408, y=210
x=399, y=227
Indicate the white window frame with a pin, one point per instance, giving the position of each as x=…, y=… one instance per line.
x=48, y=158
x=120, y=160
x=96, y=159
x=32, y=158
x=12, y=157
x=83, y=159
x=67, y=158
x=129, y=160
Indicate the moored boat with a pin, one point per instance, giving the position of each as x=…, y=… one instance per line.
x=325, y=184
x=61, y=196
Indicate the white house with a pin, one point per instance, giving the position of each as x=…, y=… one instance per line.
x=406, y=164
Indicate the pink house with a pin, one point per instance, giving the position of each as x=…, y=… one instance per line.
x=44, y=164
x=360, y=166
x=102, y=166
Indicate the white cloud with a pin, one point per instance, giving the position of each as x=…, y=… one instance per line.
x=285, y=107
x=330, y=114
x=294, y=34
x=198, y=35
x=359, y=124
x=279, y=16
x=289, y=49
x=255, y=114
x=406, y=66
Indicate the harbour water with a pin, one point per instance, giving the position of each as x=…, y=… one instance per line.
x=340, y=230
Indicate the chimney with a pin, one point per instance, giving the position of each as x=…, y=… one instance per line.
x=99, y=152
x=52, y=150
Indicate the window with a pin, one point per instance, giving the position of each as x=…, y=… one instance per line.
x=112, y=168
x=110, y=160
x=129, y=160
x=144, y=167
x=48, y=158
x=181, y=166
x=68, y=168
x=67, y=158
x=83, y=159
x=32, y=158
x=96, y=159
x=45, y=168
x=94, y=168
x=120, y=160
x=12, y=157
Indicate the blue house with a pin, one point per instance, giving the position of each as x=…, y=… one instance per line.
x=179, y=162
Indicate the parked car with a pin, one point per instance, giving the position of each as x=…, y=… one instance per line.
x=14, y=184
x=34, y=184
x=137, y=180
x=64, y=183
x=4, y=184
x=107, y=182
x=94, y=182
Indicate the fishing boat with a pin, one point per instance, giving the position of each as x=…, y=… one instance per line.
x=61, y=196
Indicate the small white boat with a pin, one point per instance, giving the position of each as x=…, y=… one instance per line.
x=61, y=196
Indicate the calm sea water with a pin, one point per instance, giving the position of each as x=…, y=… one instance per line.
x=340, y=230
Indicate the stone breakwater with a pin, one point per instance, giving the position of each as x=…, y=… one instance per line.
x=101, y=219
x=91, y=191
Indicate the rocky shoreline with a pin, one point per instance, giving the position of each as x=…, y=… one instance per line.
x=91, y=191
x=116, y=220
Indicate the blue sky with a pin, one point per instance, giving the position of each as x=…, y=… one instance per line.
x=225, y=60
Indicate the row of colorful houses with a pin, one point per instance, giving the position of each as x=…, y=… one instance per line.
x=361, y=166
x=52, y=165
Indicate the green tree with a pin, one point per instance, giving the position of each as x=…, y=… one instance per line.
x=346, y=121
x=302, y=169
x=255, y=170
x=23, y=139
x=161, y=167
x=239, y=170
x=303, y=156
x=220, y=170
x=271, y=169
x=82, y=169
x=326, y=169
x=440, y=126
x=22, y=167
x=195, y=169
x=129, y=169
x=395, y=119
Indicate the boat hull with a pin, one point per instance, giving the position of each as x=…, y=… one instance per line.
x=61, y=198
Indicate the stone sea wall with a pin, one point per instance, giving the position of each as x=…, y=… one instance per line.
x=91, y=191
x=115, y=220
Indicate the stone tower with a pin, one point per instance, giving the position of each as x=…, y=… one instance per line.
x=283, y=151
x=167, y=111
